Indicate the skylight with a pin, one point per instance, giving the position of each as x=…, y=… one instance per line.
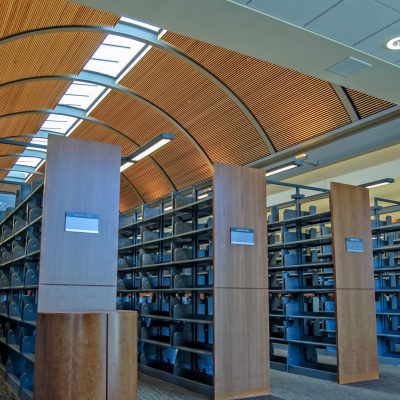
x=113, y=55
x=58, y=123
x=81, y=95
x=28, y=161
x=17, y=174
x=139, y=23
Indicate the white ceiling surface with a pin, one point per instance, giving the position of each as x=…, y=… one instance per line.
x=367, y=168
x=306, y=35
x=363, y=24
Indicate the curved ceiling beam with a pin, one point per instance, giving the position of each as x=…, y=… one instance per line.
x=346, y=102
x=80, y=114
x=110, y=83
x=27, y=154
x=151, y=38
x=19, y=169
x=132, y=186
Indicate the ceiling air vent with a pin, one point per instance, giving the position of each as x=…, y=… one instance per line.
x=349, y=66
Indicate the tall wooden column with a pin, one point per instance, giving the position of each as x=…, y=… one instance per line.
x=85, y=349
x=354, y=284
x=241, y=337
x=78, y=269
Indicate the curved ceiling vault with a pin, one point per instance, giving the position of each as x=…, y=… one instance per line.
x=221, y=105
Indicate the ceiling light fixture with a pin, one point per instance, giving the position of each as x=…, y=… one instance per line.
x=393, y=44
x=151, y=146
x=148, y=148
x=281, y=169
x=380, y=182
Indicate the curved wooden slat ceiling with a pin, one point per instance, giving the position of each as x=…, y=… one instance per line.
x=290, y=106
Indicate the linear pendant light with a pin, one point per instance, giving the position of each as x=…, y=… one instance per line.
x=380, y=182
x=281, y=169
x=143, y=151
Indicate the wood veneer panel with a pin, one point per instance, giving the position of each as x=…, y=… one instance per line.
x=354, y=285
x=77, y=298
x=81, y=176
x=241, y=336
x=239, y=202
x=122, y=356
x=70, y=361
x=351, y=218
x=356, y=335
x=241, y=343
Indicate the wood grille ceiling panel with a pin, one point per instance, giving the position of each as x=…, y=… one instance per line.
x=89, y=131
x=147, y=180
x=8, y=162
x=62, y=53
x=180, y=160
x=22, y=15
x=214, y=120
x=367, y=105
x=128, y=198
x=31, y=96
x=21, y=125
x=291, y=106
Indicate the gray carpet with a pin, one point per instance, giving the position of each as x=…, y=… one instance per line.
x=284, y=387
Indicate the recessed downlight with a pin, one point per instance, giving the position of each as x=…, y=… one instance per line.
x=394, y=43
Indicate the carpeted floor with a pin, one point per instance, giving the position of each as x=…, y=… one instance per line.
x=284, y=387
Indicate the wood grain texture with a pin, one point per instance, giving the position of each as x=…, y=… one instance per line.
x=122, y=356
x=241, y=343
x=81, y=176
x=239, y=201
x=356, y=336
x=354, y=285
x=70, y=361
x=86, y=356
x=62, y=298
x=241, y=333
x=351, y=218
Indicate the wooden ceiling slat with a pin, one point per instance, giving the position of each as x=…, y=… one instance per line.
x=22, y=15
x=201, y=107
x=21, y=124
x=179, y=159
x=89, y=131
x=128, y=198
x=31, y=96
x=367, y=105
x=62, y=53
x=273, y=93
x=147, y=180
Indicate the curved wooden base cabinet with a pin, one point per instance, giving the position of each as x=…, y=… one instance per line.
x=86, y=356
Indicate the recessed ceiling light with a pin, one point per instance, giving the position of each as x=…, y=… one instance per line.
x=394, y=43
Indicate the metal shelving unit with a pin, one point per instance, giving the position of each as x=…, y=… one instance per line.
x=165, y=273
x=19, y=274
x=301, y=287
x=386, y=245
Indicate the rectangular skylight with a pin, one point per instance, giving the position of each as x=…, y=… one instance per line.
x=28, y=161
x=139, y=23
x=58, y=123
x=113, y=55
x=17, y=174
x=81, y=95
